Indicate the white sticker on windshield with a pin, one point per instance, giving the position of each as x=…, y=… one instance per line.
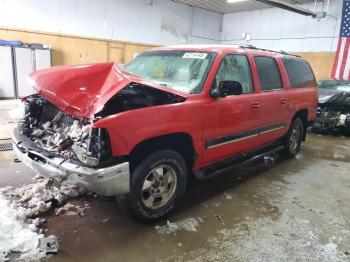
x=195, y=55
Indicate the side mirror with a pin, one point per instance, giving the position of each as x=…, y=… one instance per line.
x=227, y=88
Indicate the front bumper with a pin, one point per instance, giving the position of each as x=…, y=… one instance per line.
x=107, y=181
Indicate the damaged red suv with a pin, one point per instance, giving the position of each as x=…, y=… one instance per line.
x=140, y=132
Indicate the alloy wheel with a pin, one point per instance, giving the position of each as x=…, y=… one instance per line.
x=159, y=186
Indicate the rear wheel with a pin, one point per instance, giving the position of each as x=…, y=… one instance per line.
x=292, y=141
x=157, y=184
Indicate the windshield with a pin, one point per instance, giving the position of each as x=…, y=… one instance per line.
x=181, y=70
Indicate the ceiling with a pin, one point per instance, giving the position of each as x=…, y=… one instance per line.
x=221, y=6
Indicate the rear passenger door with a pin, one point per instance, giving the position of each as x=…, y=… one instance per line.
x=273, y=99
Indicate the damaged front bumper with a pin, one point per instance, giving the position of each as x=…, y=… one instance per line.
x=107, y=181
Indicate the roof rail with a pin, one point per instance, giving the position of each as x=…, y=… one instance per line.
x=263, y=49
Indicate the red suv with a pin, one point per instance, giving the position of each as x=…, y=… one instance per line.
x=141, y=131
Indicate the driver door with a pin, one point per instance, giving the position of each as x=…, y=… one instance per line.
x=230, y=122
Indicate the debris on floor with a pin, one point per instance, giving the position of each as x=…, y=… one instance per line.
x=227, y=196
x=41, y=196
x=189, y=224
x=72, y=210
x=49, y=245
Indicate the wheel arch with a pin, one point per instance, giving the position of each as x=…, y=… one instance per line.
x=179, y=142
x=303, y=115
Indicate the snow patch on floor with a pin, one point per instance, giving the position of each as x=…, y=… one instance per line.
x=189, y=224
x=16, y=236
x=227, y=196
x=20, y=237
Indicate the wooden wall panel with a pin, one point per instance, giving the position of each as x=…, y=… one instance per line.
x=116, y=55
x=132, y=49
x=77, y=50
x=321, y=62
x=81, y=50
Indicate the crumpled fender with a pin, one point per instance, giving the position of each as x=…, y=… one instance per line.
x=128, y=128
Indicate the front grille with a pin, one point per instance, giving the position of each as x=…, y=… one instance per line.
x=5, y=146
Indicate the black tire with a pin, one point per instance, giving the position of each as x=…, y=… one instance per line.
x=134, y=201
x=293, y=139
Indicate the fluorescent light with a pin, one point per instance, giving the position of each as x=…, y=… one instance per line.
x=235, y=1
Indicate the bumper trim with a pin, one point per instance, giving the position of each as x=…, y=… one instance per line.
x=107, y=181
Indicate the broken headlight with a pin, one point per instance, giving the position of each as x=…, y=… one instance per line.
x=93, y=148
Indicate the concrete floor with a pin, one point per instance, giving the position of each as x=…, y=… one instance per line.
x=296, y=210
x=10, y=112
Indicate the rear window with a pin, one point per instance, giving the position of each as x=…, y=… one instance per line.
x=299, y=72
x=270, y=78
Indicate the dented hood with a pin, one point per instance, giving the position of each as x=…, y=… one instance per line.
x=81, y=91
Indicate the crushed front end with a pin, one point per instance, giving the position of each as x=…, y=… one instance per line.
x=62, y=147
x=333, y=114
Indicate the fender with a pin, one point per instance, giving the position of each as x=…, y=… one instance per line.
x=303, y=98
x=129, y=128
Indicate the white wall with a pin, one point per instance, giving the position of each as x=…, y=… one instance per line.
x=207, y=26
x=277, y=29
x=164, y=22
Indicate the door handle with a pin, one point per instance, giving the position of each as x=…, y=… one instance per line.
x=255, y=105
x=283, y=101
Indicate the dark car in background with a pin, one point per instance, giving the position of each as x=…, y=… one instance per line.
x=333, y=112
x=332, y=83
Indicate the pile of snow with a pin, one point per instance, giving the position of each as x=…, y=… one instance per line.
x=20, y=236
x=188, y=224
x=41, y=196
x=16, y=236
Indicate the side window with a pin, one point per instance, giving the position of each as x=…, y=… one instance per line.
x=299, y=72
x=269, y=74
x=235, y=68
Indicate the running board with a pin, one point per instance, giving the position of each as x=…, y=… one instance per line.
x=235, y=162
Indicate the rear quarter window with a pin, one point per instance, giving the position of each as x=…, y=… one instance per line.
x=299, y=72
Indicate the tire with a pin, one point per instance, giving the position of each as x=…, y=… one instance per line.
x=156, y=186
x=292, y=140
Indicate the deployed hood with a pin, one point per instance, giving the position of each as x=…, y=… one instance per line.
x=82, y=91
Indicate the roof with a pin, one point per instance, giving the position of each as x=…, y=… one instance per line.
x=220, y=48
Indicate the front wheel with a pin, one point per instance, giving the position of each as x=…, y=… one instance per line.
x=157, y=184
x=292, y=140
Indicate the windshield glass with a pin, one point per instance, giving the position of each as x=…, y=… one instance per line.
x=181, y=70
